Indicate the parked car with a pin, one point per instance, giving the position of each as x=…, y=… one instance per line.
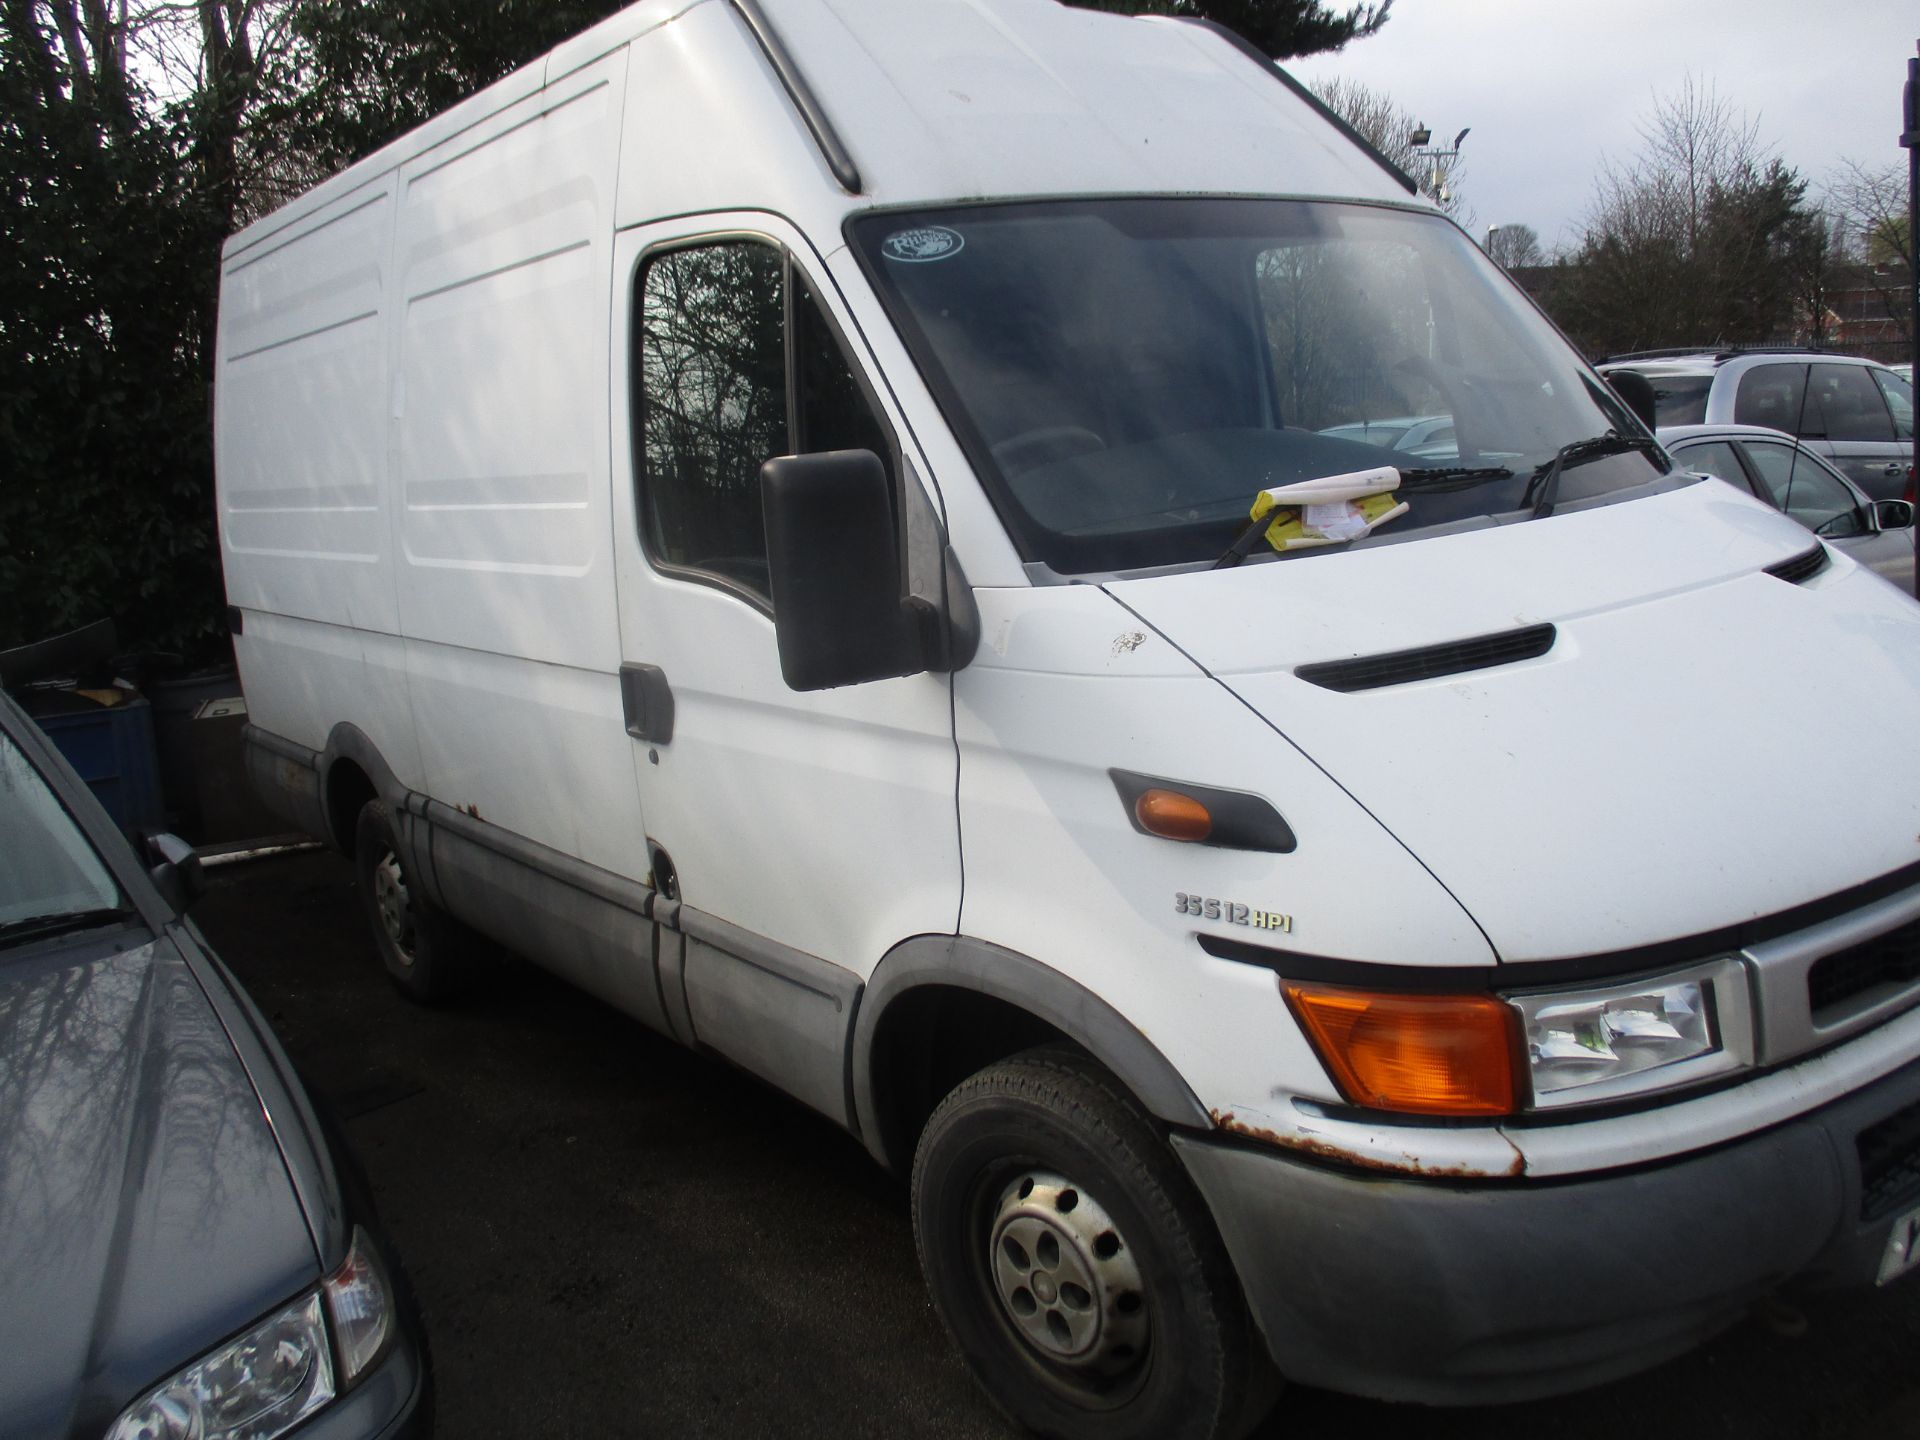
x=184, y=1252
x=1424, y=436
x=1789, y=476
x=1853, y=412
x=808, y=519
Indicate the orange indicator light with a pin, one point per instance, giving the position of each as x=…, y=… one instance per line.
x=1420, y=1054
x=1173, y=816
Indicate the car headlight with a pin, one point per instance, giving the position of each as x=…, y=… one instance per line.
x=1491, y=1055
x=279, y=1372
x=1604, y=1042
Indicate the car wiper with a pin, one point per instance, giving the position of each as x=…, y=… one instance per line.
x=38, y=927
x=1546, y=480
x=1453, y=477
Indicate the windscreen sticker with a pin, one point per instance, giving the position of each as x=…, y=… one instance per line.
x=922, y=243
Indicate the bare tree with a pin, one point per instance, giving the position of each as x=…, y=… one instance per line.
x=1871, y=232
x=1514, y=245
x=1702, y=238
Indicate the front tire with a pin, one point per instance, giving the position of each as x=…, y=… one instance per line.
x=1074, y=1263
x=420, y=945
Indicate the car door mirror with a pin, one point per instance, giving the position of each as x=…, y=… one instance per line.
x=1891, y=514
x=1634, y=388
x=176, y=870
x=841, y=616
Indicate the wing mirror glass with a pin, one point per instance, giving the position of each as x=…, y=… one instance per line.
x=1892, y=515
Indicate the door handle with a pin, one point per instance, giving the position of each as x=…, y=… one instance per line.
x=646, y=700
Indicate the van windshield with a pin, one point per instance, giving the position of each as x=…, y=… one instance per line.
x=1127, y=374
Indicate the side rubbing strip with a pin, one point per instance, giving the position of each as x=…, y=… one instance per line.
x=1801, y=567
x=1277, y=71
x=824, y=135
x=1402, y=667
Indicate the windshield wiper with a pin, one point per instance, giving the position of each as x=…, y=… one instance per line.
x=37, y=927
x=1452, y=477
x=1546, y=480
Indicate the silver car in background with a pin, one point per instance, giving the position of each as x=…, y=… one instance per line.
x=1852, y=412
x=1791, y=478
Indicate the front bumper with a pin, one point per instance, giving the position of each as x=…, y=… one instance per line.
x=1446, y=1292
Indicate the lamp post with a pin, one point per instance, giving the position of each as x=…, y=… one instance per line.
x=1435, y=185
x=1493, y=230
x=1910, y=139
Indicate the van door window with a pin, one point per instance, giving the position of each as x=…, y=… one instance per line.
x=738, y=364
x=713, y=406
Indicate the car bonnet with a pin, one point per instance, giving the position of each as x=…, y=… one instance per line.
x=145, y=1209
x=1686, y=754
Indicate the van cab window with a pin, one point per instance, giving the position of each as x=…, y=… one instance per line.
x=1127, y=374
x=738, y=364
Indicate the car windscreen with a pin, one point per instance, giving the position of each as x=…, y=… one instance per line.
x=49, y=873
x=1127, y=375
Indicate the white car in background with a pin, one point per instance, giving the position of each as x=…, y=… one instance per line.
x=1790, y=477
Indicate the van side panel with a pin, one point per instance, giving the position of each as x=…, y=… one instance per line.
x=502, y=259
x=301, y=461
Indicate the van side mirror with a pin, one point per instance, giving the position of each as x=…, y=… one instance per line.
x=840, y=614
x=1892, y=514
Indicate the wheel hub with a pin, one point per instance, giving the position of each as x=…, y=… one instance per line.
x=1064, y=1276
x=390, y=899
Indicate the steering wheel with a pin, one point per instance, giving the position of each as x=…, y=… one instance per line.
x=1046, y=445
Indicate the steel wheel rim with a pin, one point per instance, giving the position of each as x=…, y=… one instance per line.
x=391, y=901
x=1065, y=1279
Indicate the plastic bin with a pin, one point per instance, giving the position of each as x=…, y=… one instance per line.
x=112, y=748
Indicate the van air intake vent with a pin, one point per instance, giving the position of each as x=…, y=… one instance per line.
x=1801, y=567
x=1430, y=662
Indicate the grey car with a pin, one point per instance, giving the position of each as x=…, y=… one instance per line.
x=1850, y=411
x=1787, y=475
x=184, y=1253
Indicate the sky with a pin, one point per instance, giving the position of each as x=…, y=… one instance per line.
x=1553, y=87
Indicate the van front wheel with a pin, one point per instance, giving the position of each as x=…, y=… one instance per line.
x=418, y=943
x=1074, y=1263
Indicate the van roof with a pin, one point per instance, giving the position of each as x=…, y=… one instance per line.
x=948, y=100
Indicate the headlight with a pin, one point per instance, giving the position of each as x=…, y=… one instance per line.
x=253, y=1388
x=279, y=1372
x=1610, y=1041
x=1492, y=1055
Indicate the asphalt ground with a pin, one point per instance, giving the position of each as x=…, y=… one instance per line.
x=612, y=1236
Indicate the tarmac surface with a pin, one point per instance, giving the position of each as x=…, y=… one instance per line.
x=613, y=1236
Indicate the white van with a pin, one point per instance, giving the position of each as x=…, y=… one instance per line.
x=745, y=511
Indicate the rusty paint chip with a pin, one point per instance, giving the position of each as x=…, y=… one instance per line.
x=1327, y=1150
